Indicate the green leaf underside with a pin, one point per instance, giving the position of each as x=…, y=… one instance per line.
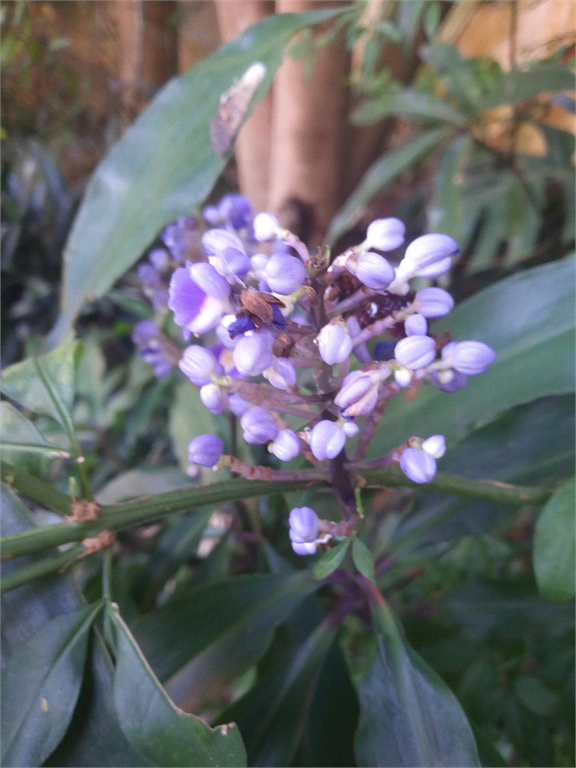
x=226, y=642
x=554, y=545
x=408, y=715
x=22, y=383
x=381, y=173
x=164, y=166
x=154, y=725
x=40, y=687
x=331, y=560
x=528, y=320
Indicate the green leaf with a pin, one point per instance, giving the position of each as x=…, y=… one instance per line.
x=521, y=84
x=528, y=320
x=22, y=383
x=535, y=695
x=554, y=545
x=93, y=736
x=164, y=166
x=363, y=559
x=22, y=438
x=190, y=418
x=202, y=649
x=381, y=173
x=278, y=732
x=154, y=725
x=408, y=715
x=408, y=103
x=331, y=560
x=532, y=443
x=40, y=686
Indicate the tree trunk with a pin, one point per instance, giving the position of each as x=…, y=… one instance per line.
x=308, y=136
x=253, y=143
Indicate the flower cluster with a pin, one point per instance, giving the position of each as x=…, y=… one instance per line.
x=266, y=309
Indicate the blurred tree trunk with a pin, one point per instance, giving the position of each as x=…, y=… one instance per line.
x=253, y=143
x=148, y=51
x=308, y=135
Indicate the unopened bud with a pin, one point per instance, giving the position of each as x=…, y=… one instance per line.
x=334, y=343
x=205, y=450
x=415, y=351
x=327, y=440
x=417, y=465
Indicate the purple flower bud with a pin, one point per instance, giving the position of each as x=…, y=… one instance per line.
x=433, y=302
x=205, y=450
x=281, y=374
x=235, y=209
x=354, y=385
x=327, y=439
x=159, y=258
x=214, y=241
x=148, y=275
x=417, y=465
x=191, y=304
x=253, y=354
x=258, y=425
x=144, y=330
x=350, y=428
x=180, y=237
x=198, y=364
x=266, y=225
x=211, y=215
x=231, y=264
x=334, y=343
x=213, y=398
x=435, y=446
x=258, y=264
x=286, y=445
x=435, y=270
x=357, y=389
x=308, y=548
x=429, y=249
x=468, y=357
x=284, y=274
x=385, y=234
x=374, y=271
x=415, y=351
x=416, y=325
x=449, y=380
x=303, y=523
x=237, y=405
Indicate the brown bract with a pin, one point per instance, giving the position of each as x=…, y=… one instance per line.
x=258, y=305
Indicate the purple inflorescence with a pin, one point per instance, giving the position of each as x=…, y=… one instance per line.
x=275, y=321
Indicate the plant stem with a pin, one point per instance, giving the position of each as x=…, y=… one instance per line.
x=117, y=516
x=41, y=568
